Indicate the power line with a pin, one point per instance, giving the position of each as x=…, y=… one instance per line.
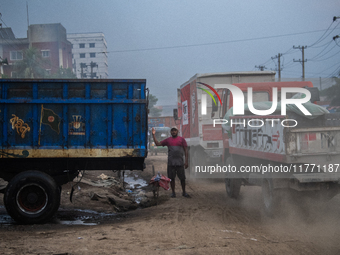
x=317, y=41
x=328, y=57
x=315, y=57
x=213, y=43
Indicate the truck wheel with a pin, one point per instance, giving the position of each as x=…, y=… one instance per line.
x=232, y=185
x=270, y=198
x=32, y=197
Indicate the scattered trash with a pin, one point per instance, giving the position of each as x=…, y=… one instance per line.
x=161, y=181
x=103, y=177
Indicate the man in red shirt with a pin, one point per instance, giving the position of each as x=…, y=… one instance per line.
x=177, y=148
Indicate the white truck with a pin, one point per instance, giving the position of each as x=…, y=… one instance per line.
x=288, y=155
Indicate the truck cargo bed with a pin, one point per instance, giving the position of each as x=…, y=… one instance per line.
x=55, y=125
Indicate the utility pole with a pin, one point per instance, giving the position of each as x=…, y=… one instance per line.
x=93, y=64
x=82, y=65
x=320, y=84
x=261, y=67
x=279, y=64
x=303, y=59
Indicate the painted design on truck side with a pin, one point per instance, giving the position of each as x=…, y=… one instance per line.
x=77, y=126
x=185, y=109
x=194, y=110
x=18, y=124
x=50, y=118
x=25, y=154
x=185, y=113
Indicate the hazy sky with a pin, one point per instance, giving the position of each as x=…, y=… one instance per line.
x=169, y=41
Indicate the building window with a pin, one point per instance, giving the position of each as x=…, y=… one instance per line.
x=82, y=55
x=48, y=71
x=45, y=53
x=92, y=45
x=16, y=55
x=81, y=45
x=92, y=55
x=14, y=75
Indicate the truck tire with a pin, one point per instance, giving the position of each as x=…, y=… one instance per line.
x=232, y=185
x=32, y=197
x=270, y=198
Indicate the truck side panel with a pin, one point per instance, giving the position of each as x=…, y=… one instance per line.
x=73, y=119
x=258, y=137
x=261, y=139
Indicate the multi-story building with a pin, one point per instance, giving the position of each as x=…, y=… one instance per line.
x=89, y=55
x=49, y=39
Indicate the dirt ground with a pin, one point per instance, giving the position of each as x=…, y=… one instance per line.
x=206, y=223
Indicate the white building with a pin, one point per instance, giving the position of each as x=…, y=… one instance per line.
x=89, y=55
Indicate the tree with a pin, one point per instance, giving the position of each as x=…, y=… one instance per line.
x=64, y=73
x=32, y=65
x=153, y=111
x=333, y=93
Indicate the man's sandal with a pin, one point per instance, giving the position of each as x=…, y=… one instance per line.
x=186, y=195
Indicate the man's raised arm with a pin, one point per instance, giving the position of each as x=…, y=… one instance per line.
x=154, y=137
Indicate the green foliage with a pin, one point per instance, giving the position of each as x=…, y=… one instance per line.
x=333, y=93
x=154, y=112
x=32, y=65
x=64, y=73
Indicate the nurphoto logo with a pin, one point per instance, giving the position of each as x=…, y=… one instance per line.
x=238, y=108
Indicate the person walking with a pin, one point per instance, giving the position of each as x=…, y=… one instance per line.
x=177, y=148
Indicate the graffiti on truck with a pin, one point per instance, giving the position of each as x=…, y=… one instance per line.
x=21, y=127
x=265, y=138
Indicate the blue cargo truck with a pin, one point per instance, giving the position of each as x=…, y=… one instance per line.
x=51, y=129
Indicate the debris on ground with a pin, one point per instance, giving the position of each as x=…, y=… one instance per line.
x=115, y=194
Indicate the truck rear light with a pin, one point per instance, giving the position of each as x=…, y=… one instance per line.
x=212, y=145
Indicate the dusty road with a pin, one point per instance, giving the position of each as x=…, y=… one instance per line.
x=207, y=223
